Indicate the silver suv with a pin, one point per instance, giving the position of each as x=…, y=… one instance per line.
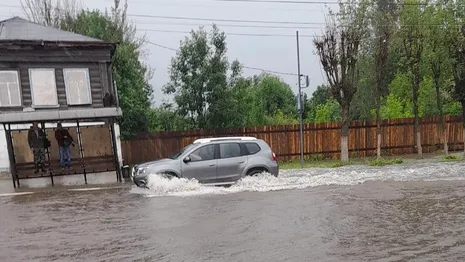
x=216, y=161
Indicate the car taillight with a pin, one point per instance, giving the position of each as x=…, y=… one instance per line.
x=273, y=155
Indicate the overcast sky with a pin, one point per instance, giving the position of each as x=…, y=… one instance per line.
x=276, y=53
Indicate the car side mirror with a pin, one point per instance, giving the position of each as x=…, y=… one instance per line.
x=186, y=159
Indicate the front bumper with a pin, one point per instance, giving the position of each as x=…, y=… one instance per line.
x=140, y=181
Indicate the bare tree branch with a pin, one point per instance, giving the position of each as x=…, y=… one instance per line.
x=50, y=12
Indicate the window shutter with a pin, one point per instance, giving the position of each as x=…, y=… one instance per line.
x=77, y=82
x=43, y=87
x=10, y=94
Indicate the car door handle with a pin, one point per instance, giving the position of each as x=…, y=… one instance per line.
x=212, y=165
x=241, y=162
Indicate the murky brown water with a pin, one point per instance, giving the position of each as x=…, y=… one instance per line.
x=373, y=221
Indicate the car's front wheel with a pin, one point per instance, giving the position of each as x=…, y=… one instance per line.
x=169, y=175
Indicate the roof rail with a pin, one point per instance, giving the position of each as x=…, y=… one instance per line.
x=212, y=139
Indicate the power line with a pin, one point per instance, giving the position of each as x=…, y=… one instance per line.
x=248, y=67
x=233, y=25
x=318, y=2
x=233, y=34
x=162, y=46
x=225, y=20
x=269, y=71
x=229, y=7
x=252, y=21
x=280, y=2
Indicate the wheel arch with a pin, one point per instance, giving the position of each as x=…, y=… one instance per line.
x=256, y=168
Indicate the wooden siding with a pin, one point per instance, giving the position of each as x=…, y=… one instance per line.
x=97, y=60
x=319, y=139
x=95, y=82
x=58, y=55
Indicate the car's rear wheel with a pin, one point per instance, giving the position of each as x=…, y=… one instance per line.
x=256, y=171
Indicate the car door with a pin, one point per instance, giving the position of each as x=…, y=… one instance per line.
x=231, y=163
x=202, y=165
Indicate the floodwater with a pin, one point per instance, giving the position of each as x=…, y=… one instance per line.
x=393, y=213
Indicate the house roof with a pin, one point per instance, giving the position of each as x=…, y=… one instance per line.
x=19, y=29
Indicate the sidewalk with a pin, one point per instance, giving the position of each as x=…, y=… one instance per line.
x=99, y=181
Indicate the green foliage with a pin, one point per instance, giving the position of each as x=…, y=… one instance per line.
x=164, y=118
x=208, y=98
x=450, y=158
x=317, y=157
x=130, y=74
x=209, y=92
x=319, y=97
x=199, y=82
x=328, y=112
x=453, y=108
x=394, y=107
x=385, y=162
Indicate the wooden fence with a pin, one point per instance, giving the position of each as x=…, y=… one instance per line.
x=319, y=139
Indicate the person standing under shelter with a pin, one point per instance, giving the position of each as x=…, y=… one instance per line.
x=64, y=140
x=36, y=139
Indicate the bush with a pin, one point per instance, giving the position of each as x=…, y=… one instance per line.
x=317, y=157
x=384, y=162
x=450, y=158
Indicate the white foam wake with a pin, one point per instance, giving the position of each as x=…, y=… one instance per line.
x=299, y=179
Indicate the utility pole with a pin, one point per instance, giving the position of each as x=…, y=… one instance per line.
x=300, y=103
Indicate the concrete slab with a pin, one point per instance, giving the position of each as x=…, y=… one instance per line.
x=98, y=180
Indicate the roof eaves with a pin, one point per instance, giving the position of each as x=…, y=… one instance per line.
x=57, y=43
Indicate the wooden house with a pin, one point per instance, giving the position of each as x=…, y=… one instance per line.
x=47, y=76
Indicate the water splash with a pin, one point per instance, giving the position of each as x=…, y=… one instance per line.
x=299, y=179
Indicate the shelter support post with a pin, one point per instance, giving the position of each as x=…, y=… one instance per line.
x=11, y=154
x=81, y=151
x=47, y=151
x=115, y=150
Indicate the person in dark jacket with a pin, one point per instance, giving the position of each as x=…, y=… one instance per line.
x=36, y=138
x=64, y=140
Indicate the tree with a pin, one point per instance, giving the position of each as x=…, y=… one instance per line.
x=198, y=79
x=319, y=97
x=437, y=58
x=455, y=11
x=328, y=112
x=412, y=35
x=265, y=100
x=165, y=118
x=50, y=13
x=382, y=22
x=338, y=50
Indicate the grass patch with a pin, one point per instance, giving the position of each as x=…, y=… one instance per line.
x=449, y=158
x=385, y=162
x=308, y=163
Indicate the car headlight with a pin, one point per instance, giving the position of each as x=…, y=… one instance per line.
x=141, y=171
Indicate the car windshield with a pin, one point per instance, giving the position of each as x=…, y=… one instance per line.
x=180, y=152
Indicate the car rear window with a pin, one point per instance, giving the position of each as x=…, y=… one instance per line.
x=253, y=148
x=229, y=150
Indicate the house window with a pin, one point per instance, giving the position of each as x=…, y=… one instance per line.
x=43, y=87
x=77, y=83
x=10, y=94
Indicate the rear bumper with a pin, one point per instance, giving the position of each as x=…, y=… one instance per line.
x=274, y=170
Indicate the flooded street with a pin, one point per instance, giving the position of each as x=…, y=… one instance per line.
x=394, y=213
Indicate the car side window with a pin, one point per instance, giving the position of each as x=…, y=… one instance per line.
x=229, y=150
x=253, y=148
x=203, y=154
